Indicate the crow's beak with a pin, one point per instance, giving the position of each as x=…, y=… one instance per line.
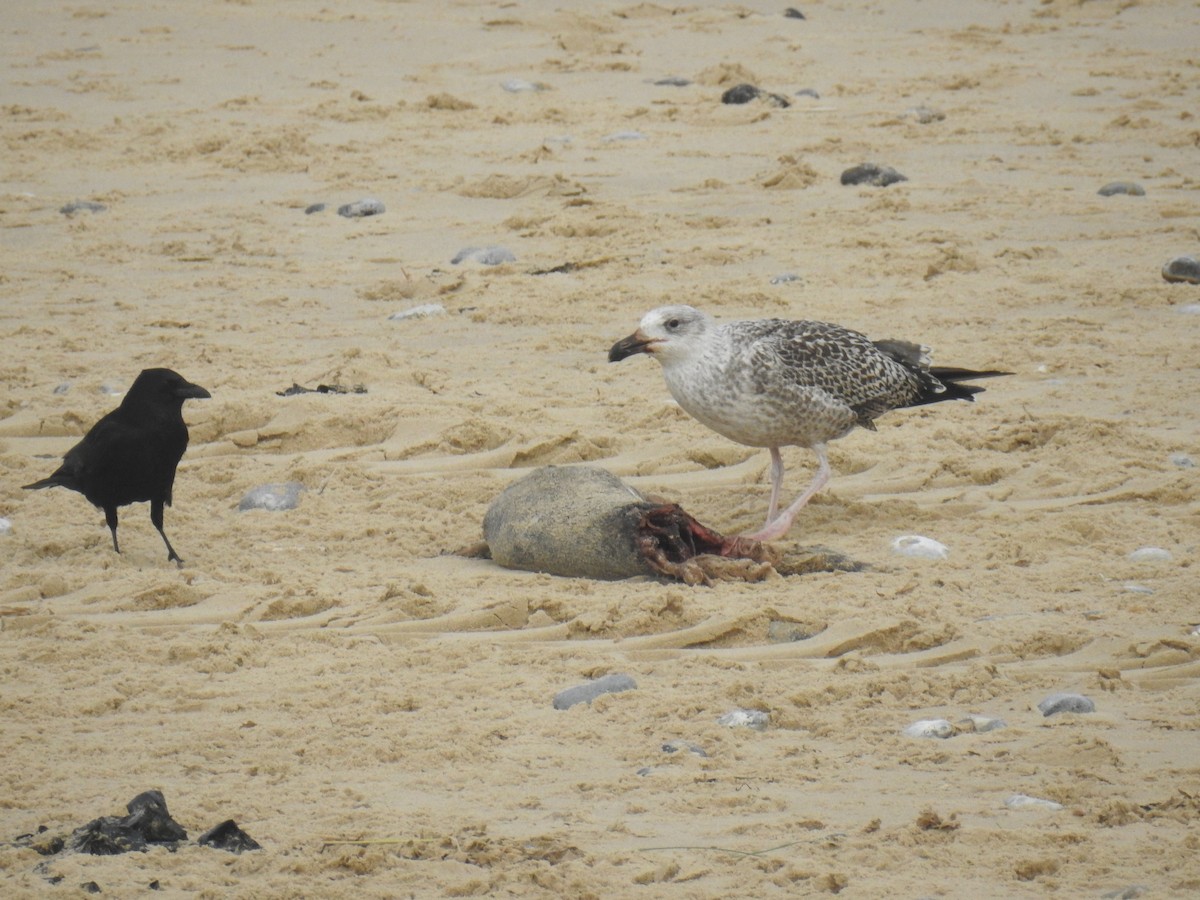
x=189, y=391
x=635, y=343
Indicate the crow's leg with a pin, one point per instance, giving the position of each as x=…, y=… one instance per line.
x=110, y=516
x=156, y=516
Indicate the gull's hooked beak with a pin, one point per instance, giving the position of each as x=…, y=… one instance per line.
x=628, y=346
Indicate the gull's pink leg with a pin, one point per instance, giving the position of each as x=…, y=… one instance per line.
x=776, y=483
x=778, y=527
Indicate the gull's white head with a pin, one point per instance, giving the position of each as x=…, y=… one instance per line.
x=668, y=333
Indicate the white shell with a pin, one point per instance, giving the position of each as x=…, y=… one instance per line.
x=746, y=718
x=919, y=547
x=424, y=311
x=1150, y=554
x=1024, y=801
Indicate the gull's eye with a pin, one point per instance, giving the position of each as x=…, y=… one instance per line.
x=672, y=324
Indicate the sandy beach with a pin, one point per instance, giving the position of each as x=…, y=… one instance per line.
x=374, y=708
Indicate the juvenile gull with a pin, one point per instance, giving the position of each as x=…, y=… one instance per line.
x=776, y=383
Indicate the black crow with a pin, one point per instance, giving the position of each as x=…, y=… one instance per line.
x=130, y=455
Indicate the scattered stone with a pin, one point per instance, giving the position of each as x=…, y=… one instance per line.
x=680, y=746
x=273, y=497
x=321, y=389
x=1182, y=268
x=227, y=836
x=744, y=93
x=785, y=278
x=90, y=887
x=520, y=85
x=82, y=206
x=110, y=389
x=1072, y=703
x=918, y=547
x=925, y=114
x=1150, y=554
x=424, y=311
x=63, y=388
x=487, y=256
x=1132, y=588
x=1122, y=187
x=931, y=728
x=586, y=693
x=624, y=136
x=870, y=173
x=362, y=208
x=741, y=93
x=1182, y=460
x=5, y=526
x=808, y=92
x=746, y=718
x=314, y=208
x=1126, y=893
x=792, y=13
x=673, y=81
x=1024, y=801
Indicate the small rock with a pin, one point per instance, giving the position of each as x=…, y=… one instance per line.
x=925, y=114
x=1122, y=187
x=63, y=388
x=673, y=81
x=586, y=693
x=90, y=887
x=1024, y=801
x=227, y=836
x=741, y=93
x=870, y=173
x=678, y=746
x=273, y=497
x=362, y=208
x=792, y=13
x=82, y=205
x=1182, y=268
x=1182, y=460
x=1126, y=893
x=487, y=256
x=931, y=728
x=746, y=718
x=520, y=85
x=808, y=92
x=1072, y=703
x=424, y=311
x=5, y=526
x=918, y=547
x=780, y=631
x=1150, y=554
x=624, y=136
x=785, y=278
x=111, y=390
x=314, y=208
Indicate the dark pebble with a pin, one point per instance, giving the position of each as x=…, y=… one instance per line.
x=586, y=693
x=315, y=208
x=82, y=205
x=1122, y=187
x=742, y=93
x=869, y=173
x=792, y=13
x=361, y=209
x=673, y=81
x=90, y=887
x=1182, y=268
x=808, y=92
x=227, y=836
x=148, y=822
